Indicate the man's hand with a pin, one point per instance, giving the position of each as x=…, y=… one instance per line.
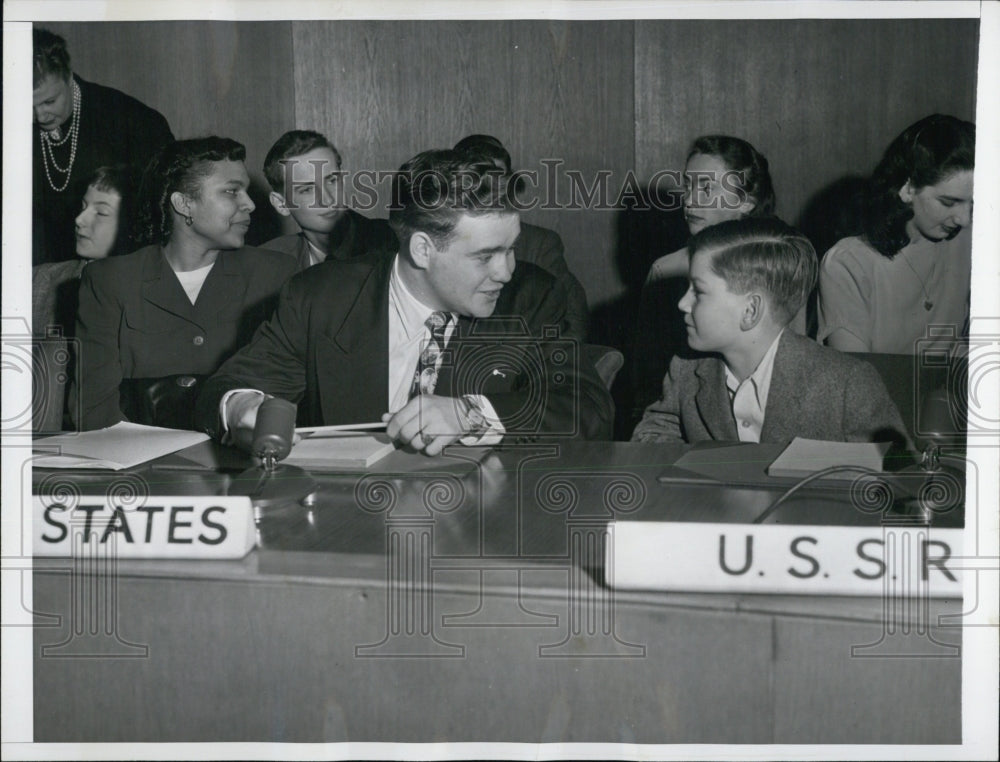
x=241, y=417
x=428, y=423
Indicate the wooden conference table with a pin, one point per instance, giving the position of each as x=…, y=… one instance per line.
x=462, y=602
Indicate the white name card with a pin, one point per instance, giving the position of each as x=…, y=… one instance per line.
x=154, y=527
x=802, y=560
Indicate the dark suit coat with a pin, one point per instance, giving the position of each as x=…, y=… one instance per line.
x=544, y=248
x=327, y=349
x=816, y=393
x=136, y=321
x=358, y=235
x=114, y=128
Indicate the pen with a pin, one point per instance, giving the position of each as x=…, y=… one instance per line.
x=345, y=427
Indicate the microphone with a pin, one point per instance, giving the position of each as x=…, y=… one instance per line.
x=274, y=431
x=272, y=483
x=937, y=427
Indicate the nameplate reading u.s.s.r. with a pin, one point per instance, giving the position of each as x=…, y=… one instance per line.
x=152, y=527
x=908, y=561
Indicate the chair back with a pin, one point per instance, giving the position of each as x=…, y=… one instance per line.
x=607, y=361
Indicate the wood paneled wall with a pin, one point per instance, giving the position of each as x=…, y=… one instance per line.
x=384, y=91
x=821, y=99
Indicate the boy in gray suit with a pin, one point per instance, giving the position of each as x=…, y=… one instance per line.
x=761, y=382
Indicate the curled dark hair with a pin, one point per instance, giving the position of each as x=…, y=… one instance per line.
x=177, y=166
x=123, y=180
x=749, y=165
x=293, y=143
x=432, y=189
x=50, y=56
x=761, y=253
x=923, y=154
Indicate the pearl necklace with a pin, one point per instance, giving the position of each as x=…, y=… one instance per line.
x=48, y=142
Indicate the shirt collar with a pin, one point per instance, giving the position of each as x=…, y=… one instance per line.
x=412, y=312
x=760, y=379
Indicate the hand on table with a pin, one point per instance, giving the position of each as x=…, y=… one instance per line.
x=428, y=423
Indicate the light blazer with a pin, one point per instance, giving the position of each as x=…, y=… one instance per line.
x=815, y=392
x=327, y=350
x=136, y=321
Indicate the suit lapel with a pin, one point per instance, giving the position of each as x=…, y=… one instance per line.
x=360, y=380
x=161, y=288
x=712, y=400
x=783, y=415
x=302, y=258
x=224, y=287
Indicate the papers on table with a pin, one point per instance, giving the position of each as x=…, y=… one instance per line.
x=339, y=450
x=803, y=457
x=123, y=445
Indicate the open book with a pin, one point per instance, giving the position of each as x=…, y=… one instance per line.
x=123, y=445
x=803, y=457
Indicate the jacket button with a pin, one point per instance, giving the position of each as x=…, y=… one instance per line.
x=198, y=340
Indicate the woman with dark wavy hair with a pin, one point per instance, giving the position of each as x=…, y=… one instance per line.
x=153, y=322
x=911, y=268
x=725, y=178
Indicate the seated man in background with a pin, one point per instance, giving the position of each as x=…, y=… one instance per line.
x=445, y=341
x=540, y=246
x=304, y=171
x=762, y=383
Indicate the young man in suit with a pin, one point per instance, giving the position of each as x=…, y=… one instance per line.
x=537, y=245
x=762, y=382
x=446, y=341
x=303, y=169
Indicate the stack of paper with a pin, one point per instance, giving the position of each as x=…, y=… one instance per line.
x=123, y=445
x=339, y=450
x=803, y=457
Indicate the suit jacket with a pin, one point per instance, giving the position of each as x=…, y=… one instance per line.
x=357, y=235
x=114, y=128
x=815, y=392
x=136, y=321
x=327, y=347
x=544, y=248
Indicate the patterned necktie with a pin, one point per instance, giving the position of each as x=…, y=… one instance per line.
x=426, y=374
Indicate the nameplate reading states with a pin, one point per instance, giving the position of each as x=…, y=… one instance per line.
x=908, y=561
x=153, y=527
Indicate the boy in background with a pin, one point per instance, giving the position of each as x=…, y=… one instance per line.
x=303, y=169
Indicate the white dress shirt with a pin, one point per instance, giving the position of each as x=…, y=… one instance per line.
x=749, y=397
x=316, y=255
